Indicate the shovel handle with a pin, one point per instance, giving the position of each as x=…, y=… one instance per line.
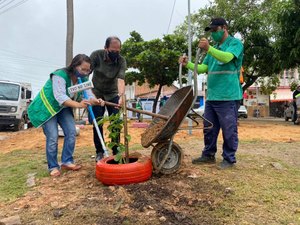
x=139, y=111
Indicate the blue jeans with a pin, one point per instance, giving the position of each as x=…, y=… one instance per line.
x=66, y=121
x=99, y=112
x=223, y=115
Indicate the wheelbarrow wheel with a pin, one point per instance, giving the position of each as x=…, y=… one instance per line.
x=173, y=162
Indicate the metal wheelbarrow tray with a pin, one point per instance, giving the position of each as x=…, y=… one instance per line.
x=176, y=109
x=166, y=155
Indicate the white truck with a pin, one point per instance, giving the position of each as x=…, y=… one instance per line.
x=15, y=98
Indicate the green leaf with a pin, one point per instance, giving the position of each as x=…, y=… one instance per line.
x=111, y=145
x=113, y=135
x=118, y=157
x=128, y=137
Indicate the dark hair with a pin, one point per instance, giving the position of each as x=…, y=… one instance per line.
x=78, y=60
x=109, y=40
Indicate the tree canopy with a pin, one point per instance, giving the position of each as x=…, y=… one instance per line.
x=288, y=40
x=269, y=30
x=156, y=60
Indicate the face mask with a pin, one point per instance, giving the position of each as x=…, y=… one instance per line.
x=113, y=56
x=78, y=74
x=217, y=36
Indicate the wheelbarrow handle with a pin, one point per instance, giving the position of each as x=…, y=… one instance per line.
x=139, y=111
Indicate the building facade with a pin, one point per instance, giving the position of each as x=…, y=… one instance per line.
x=274, y=104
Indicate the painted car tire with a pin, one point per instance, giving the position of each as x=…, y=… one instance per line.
x=119, y=174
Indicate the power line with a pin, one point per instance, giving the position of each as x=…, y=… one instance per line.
x=18, y=56
x=25, y=61
x=7, y=4
x=36, y=76
x=14, y=6
x=170, y=17
x=2, y=1
x=32, y=65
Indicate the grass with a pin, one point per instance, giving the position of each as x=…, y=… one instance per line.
x=261, y=194
x=16, y=165
x=14, y=168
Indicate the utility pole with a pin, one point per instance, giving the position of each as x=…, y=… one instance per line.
x=69, y=41
x=190, y=73
x=189, y=32
x=70, y=32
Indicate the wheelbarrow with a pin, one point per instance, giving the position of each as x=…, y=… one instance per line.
x=166, y=155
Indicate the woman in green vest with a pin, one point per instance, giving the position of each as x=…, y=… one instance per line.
x=53, y=106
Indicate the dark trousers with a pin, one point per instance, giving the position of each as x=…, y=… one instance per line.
x=295, y=112
x=223, y=115
x=99, y=112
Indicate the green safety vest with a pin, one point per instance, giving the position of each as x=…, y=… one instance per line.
x=45, y=106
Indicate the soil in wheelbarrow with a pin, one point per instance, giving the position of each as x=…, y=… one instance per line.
x=151, y=132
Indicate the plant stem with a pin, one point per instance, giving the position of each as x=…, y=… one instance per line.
x=125, y=128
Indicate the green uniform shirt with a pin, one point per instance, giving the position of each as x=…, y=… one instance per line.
x=223, y=82
x=106, y=74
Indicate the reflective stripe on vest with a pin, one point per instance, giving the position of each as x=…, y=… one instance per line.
x=224, y=72
x=46, y=103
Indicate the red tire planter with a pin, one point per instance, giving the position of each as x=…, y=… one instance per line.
x=139, y=170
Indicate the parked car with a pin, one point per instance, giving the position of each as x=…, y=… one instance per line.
x=243, y=112
x=14, y=101
x=288, y=112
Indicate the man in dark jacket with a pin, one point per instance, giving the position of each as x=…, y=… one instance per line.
x=108, y=79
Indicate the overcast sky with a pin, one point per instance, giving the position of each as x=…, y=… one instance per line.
x=33, y=34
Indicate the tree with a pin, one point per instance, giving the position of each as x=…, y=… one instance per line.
x=70, y=32
x=289, y=36
x=254, y=21
x=155, y=61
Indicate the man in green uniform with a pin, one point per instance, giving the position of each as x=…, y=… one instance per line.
x=222, y=64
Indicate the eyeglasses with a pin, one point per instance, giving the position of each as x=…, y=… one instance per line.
x=84, y=70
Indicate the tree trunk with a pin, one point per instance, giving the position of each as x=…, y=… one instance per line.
x=250, y=81
x=70, y=32
x=156, y=98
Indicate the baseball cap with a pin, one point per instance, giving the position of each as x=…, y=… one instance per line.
x=215, y=22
